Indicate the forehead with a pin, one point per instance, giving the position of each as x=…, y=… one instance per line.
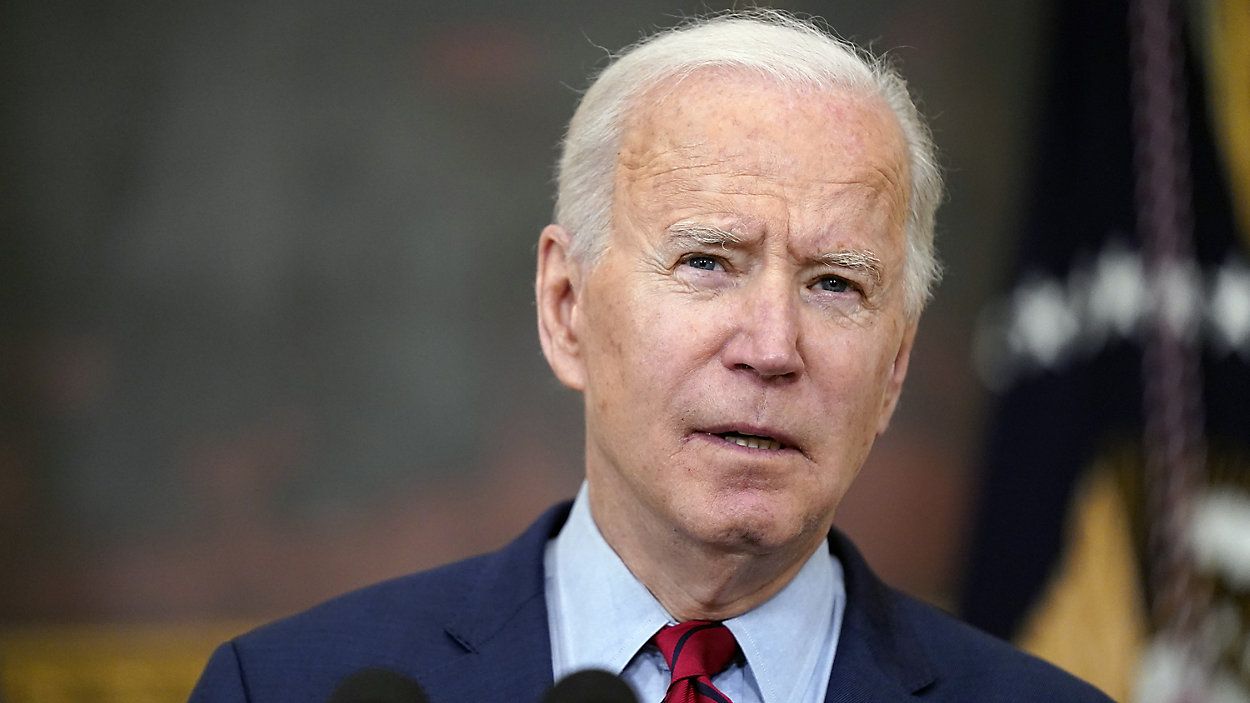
x=719, y=123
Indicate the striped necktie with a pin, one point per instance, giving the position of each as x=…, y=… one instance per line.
x=696, y=651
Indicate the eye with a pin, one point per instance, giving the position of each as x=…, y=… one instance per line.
x=835, y=284
x=703, y=262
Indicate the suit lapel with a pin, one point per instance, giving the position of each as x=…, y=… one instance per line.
x=502, y=625
x=878, y=658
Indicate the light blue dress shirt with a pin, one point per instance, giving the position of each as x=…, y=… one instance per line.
x=601, y=617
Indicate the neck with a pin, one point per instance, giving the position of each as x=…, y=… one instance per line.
x=691, y=579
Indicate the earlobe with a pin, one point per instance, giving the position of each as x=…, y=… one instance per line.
x=556, y=291
x=898, y=373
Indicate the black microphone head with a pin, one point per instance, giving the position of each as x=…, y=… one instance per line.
x=376, y=685
x=591, y=686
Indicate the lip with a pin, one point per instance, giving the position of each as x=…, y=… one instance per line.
x=788, y=442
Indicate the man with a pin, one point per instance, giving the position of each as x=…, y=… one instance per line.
x=742, y=250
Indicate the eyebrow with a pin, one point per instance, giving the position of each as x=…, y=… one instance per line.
x=704, y=234
x=856, y=259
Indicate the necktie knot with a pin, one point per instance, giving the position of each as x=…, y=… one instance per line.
x=696, y=650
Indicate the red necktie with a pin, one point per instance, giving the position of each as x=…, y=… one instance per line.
x=696, y=651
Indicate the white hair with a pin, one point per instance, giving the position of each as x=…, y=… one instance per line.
x=769, y=43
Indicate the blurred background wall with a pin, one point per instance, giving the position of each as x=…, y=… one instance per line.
x=266, y=321
x=267, y=331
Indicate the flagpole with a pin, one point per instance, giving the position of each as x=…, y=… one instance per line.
x=1174, y=442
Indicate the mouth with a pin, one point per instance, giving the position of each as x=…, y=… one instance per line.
x=756, y=438
x=751, y=441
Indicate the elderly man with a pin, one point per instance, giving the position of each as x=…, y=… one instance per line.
x=742, y=250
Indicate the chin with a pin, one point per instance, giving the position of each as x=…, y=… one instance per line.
x=753, y=526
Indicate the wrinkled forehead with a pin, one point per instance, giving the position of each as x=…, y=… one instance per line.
x=720, y=118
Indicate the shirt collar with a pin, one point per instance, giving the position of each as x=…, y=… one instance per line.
x=781, y=637
x=598, y=594
x=607, y=615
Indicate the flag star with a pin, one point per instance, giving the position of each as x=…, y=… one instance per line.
x=1117, y=294
x=1229, y=312
x=1043, y=325
x=1220, y=534
x=1178, y=301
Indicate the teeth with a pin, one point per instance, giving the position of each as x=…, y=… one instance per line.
x=753, y=442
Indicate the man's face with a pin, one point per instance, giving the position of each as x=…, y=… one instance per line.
x=743, y=339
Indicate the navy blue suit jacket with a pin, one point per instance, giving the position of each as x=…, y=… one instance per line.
x=477, y=631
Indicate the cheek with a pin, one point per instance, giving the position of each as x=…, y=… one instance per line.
x=853, y=383
x=654, y=335
x=618, y=347
x=626, y=346
x=607, y=353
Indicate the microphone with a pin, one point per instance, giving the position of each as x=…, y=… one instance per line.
x=591, y=686
x=376, y=685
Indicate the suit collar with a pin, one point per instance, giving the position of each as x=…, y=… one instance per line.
x=879, y=658
x=503, y=621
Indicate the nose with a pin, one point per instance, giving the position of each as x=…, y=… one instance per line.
x=765, y=338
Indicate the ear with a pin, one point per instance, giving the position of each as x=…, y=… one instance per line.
x=898, y=372
x=556, y=290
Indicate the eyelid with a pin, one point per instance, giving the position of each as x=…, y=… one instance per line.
x=851, y=283
x=688, y=256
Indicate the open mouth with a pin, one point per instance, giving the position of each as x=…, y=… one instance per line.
x=751, y=441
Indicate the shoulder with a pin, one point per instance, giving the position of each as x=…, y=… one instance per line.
x=414, y=625
x=389, y=625
x=397, y=614
x=973, y=665
x=927, y=651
